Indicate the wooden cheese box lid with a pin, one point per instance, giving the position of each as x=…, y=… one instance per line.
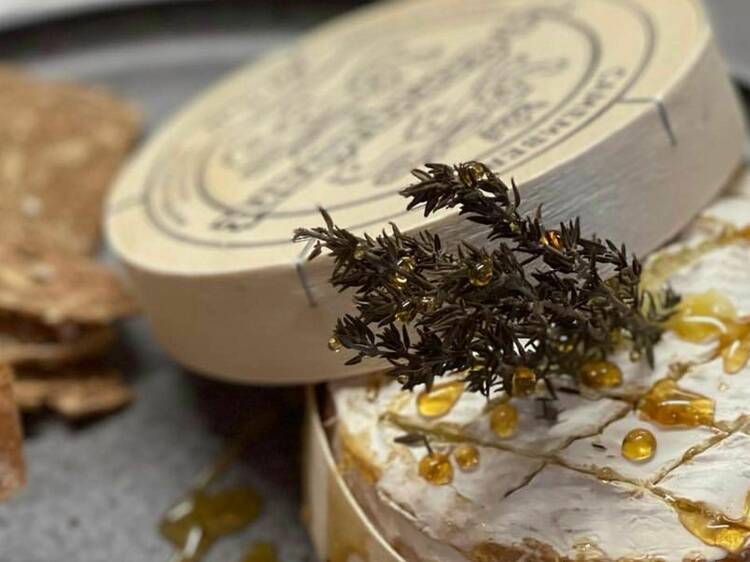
x=620, y=112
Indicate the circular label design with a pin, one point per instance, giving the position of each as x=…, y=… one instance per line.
x=339, y=122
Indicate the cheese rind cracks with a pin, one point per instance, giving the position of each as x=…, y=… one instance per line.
x=558, y=487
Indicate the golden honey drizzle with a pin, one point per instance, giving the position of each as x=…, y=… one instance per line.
x=711, y=316
x=712, y=527
x=668, y=404
x=601, y=374
x=195, y=523
x=440, y=399
x=639, y=445
x=524, y=381
x=504, y=420
x=436, y=468
x=261, y=552
x=467, y=457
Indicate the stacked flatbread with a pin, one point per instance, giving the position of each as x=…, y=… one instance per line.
x=559, y=488
x=12, y=467
x=60, y=146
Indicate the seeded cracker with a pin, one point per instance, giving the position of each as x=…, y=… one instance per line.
x=60, y=147
x=12, y=467
x=76, y=343
x=54, y=287
x=76, y=392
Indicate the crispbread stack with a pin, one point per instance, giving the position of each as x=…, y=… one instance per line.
x=12, y=468
x=559, y=488
x=60, y=146
x=57, y=308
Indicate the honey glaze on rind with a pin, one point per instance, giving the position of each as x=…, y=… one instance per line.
x=713, y=527
x=711, y=316
x=440, y=399
x=668, y=404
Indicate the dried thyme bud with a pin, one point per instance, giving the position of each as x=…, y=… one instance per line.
x=532, y=300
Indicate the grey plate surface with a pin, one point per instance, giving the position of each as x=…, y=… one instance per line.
x=97, y=491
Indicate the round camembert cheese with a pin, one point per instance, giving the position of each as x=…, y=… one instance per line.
x=558, y=487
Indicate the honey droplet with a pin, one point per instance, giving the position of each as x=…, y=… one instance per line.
x=552, y=238
x=471, y=173
x=480, y=274
x=334, y=344
x=477, y=364
x=407, y=263
x=440, y=399
x=436, y=468
x=639, y=445
x=359, y=251
x=712, y=527
x=427, y=303
x=467, y=457
x=195, y=523
x=261, y=552
x=524, y=381
x=735, y=355
x=397, y=278
x=504, y=420
x=601, y=374
x=406, y=312
x=668, y=404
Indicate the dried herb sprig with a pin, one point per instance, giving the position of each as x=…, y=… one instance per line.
x=534, y=305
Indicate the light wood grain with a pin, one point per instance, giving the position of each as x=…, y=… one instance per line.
x=620, y=112
x=338, y=527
